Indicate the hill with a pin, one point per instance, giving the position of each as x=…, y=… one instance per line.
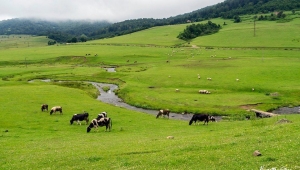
x=65, y=31
x=247, y=72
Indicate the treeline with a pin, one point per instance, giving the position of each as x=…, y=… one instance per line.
x=58, y=31
x=66, y=31
x=196, y=30
x=229, y=9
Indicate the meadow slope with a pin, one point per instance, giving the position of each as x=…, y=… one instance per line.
x=150, y=65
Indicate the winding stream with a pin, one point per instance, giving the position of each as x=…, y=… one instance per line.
x=111, y=98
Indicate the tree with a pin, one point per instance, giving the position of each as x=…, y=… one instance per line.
x=237, y=19
x=74, y=40
x=83, y=38
x=51, y=42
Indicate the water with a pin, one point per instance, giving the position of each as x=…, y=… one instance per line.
x=111, y=98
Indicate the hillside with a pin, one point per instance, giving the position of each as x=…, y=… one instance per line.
x=247, y=72
x=65, y=31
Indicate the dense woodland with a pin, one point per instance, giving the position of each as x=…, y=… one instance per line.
x=74, y=31
x=196, y=30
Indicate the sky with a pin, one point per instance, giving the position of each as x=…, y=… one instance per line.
x=99, y=10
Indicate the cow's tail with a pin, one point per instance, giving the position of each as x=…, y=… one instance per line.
x=110, y=123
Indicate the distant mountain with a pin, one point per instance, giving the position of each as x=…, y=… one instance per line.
x=65, y=31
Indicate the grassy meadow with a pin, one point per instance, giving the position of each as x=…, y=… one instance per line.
x=150, y=65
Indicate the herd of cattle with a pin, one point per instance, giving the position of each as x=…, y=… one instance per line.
x=196, y=117
x=99, y=121
x=102, y=119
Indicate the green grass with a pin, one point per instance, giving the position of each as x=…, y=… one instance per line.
x=22, y=41
x=268, y=62
x=36, y=140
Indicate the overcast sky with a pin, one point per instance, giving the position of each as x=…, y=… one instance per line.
x=110, y=10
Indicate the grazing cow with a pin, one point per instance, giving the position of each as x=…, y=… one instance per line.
x=107, y=122
x=44, y=107
x=261, y=115
x=199, y=117
x=163, y=113
x=101, y=115
x=212, y=118
x=56, y=109
x=80, y=117
x=204, y=92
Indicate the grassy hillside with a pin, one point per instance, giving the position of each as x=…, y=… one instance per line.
x=21, y=41
x=36, y=140
x=149, y=67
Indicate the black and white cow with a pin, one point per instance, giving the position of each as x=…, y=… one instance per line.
x=199, y=117
x=56, y=109
x=44, y=107
x=101, y=115
x=261, y=115
x=80, y=117
x=212, y=118
x=163, y=112
x=107, y=122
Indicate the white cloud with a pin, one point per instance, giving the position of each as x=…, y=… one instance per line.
x=111, y=10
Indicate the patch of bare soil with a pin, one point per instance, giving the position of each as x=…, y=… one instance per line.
x=284, y=121
x=249, y=106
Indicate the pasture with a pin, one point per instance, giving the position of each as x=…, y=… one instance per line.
x=150, y=65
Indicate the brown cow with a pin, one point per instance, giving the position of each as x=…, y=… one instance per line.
x=44, y=107
x=163, y=112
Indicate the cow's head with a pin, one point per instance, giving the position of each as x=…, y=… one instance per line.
x=88, y=129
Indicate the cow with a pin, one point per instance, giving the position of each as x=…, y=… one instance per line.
x=44, y=107
x=80, y=117
x=212, y=118
x=199, y=117
x=163, y=112
x=261, y=115
x=101, y=115
x=107, y=122
x=56, y=109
